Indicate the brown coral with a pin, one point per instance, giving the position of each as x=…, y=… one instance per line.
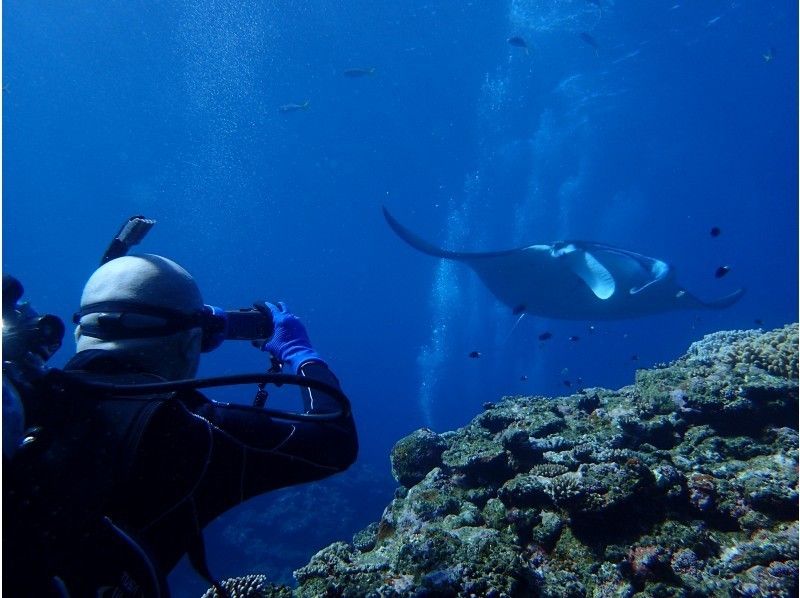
x=774, y=351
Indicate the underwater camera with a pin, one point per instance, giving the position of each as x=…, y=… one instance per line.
x=27, y=336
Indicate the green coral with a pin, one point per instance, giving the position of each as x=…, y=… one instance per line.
x=566, y=490
x=548, y=470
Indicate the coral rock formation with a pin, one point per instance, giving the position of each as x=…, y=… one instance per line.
x=683, y=484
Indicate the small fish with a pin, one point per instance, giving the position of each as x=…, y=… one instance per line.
x=759, y=322
x=545, y=336
x=722, y=271
x=574, y=339
x=565, y=372
x=769, y=56
x=518, y=42
x=590, y=40
x=634, y=357
x=715, y=231
x=475, y=354
x=293, y=107
x=567, y=383
x=354, y=73
x=713, y=20
x=523, y=378
x=518, y=310
x=592, y=329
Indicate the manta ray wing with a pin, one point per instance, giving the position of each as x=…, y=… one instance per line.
x=424, y=246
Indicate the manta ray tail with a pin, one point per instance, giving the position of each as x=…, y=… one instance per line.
x=417, y=242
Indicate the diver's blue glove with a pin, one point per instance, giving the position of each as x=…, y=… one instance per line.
x=289, y=343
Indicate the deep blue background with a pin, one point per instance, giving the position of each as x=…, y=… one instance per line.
x=675, y=123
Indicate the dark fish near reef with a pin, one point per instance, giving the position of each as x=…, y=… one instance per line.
x=758, y=322
x=293, y=107
x=715, y=231
x=574, y=339
x=590, y=40
x=567, y=383
x=518, y=42
x=574, y=280
x=354, y=73
x=475, y=354
x=634, y=358
x=545, y=336
x=722, y=271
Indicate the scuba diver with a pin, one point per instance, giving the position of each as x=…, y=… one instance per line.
x=123, y=461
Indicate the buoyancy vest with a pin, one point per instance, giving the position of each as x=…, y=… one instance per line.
x=58, y=538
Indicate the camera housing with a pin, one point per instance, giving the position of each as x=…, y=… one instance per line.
x=29, y=340
x=248, y=324
x=27, y=336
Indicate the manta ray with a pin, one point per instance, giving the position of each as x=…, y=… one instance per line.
x=574, y=280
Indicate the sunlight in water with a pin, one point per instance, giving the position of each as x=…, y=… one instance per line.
x=556, y=15
x=445, y=304
x=433, y=355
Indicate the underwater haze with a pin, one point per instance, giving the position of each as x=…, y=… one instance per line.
x=265, y=137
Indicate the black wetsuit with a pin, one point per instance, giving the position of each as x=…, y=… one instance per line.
x=138, y=479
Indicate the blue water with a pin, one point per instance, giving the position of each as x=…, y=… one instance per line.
x=676, y=122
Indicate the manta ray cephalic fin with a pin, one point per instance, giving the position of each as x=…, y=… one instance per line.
x=589, y=270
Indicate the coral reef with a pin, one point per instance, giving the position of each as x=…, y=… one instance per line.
x=278, y=532
x=683, y=484
x=250, y=586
